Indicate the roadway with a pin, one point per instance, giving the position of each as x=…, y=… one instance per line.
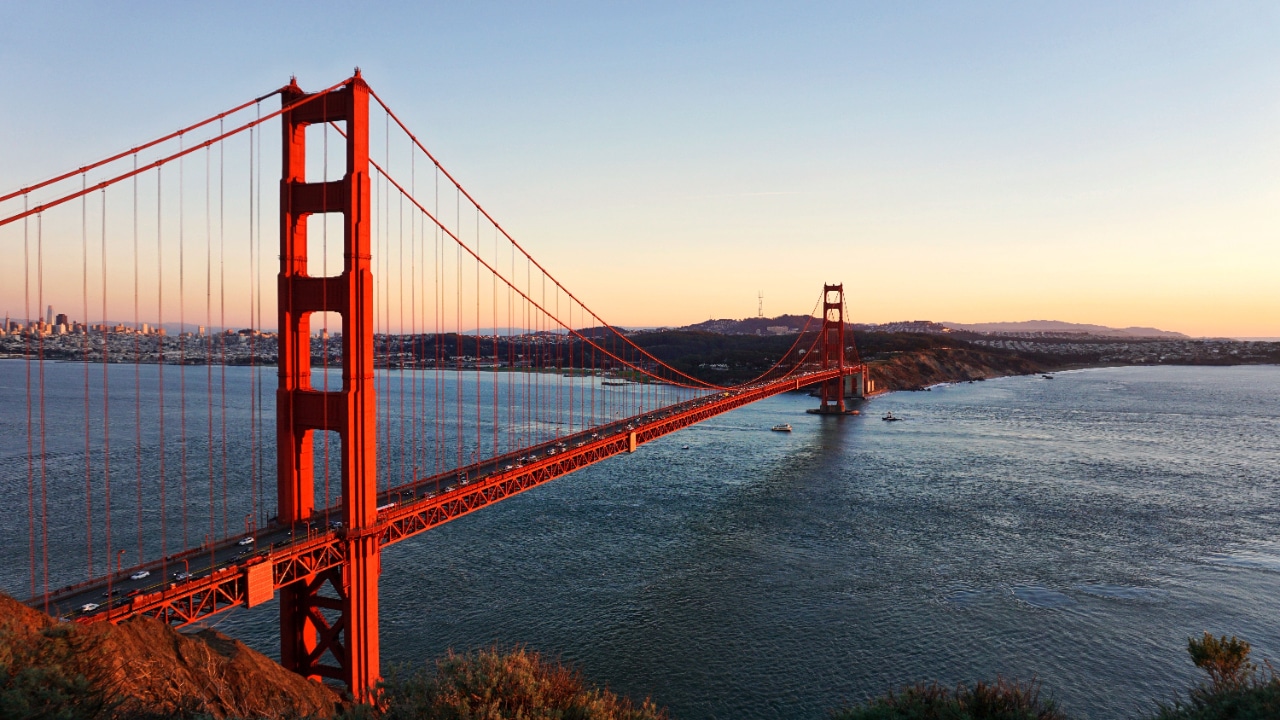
x=199, y=582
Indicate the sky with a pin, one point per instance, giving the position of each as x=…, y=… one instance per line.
x=1096, y=162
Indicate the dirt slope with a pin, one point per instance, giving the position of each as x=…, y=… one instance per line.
x=148, y=667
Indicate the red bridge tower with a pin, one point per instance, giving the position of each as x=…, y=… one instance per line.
x=833, y=391
x=334, y=612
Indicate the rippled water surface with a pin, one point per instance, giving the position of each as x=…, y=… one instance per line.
x=1075, y=529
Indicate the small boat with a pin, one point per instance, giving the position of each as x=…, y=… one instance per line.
x=888, y=417
x=782, y=427
x=1047, y=377
x=684, y=447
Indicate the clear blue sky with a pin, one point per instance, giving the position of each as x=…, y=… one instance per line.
x=1100, y=162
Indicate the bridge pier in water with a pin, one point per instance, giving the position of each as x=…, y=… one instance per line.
x=326, y=572
x=333, y=612
x=833, y=393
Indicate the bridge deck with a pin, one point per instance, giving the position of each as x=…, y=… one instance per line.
x=247, y=571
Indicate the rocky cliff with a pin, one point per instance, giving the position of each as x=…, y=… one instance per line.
x=921, y=368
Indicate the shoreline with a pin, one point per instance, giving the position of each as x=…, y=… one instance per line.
x=922, y=370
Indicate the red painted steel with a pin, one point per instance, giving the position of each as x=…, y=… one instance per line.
x=135, y=150
x=327, y=575
x=832, y=349
x=307, y=633
x=316, y=553
x=120, y=178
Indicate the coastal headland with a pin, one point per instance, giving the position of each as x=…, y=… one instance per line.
x=902, y=356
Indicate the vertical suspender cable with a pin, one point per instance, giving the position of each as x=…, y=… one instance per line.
x=457, y=325
x=257, y=265
x=182, y=339
x=44, y=494
x=494, y=336
x=572, y=378
x=257, y=325
x=400, y=329
x=253, y=370
x=88, y=456
x=531, y=373
x=106, y=392
x=137, y=371
x=479, y=352
x=383, y=308
x=438, y=299
x=206, y=335
x=222, y=315
x=413, y=325
x=159, y=337
x=511, y=358
x=26, y=361
x=557, y=415
x=106, y=409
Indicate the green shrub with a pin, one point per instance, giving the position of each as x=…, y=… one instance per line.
x=493, y=685
x=1236, y=689
x=1257, y=702
x=1226, y=661
x=1001, y=700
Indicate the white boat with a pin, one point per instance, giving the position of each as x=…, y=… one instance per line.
x=782, y=427
x=888, y=417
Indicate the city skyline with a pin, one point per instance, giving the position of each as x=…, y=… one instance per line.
x=1084, y=163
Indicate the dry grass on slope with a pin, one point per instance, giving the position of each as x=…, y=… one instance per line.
x=141, y=667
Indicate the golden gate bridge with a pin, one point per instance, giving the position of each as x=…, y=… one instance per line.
x=390, y=415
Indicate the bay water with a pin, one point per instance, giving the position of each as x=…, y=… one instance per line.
x=1075, y=530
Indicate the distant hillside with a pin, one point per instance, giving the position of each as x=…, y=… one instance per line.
x=751, y=326
x=918, y=369
x=786, y=324
x=1057, y=326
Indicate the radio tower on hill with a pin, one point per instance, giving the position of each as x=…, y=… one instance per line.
x=760, y=306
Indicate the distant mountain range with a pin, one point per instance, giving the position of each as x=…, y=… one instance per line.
x=1058, y=326
x=792, y=323
x=787, y=324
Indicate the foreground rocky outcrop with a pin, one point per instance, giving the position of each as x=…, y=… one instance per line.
x=143, y=667
x=919, y=369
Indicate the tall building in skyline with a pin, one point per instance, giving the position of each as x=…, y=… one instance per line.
x=48, y=315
